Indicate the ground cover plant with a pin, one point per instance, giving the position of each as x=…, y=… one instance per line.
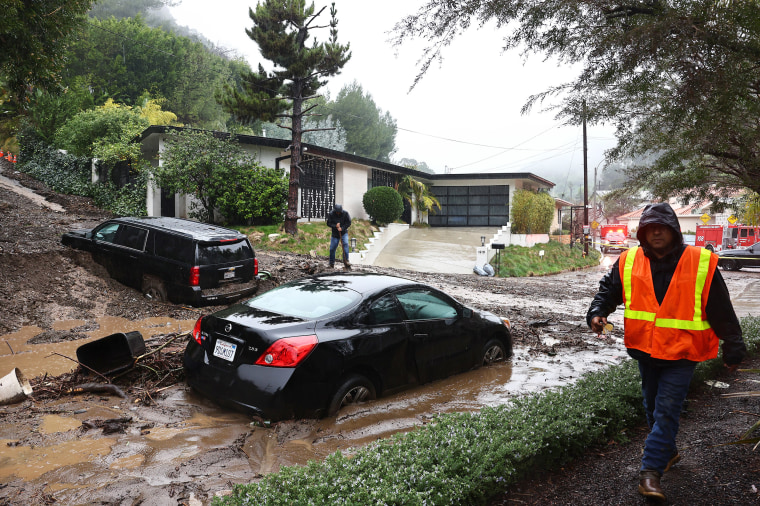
x=519, y=261
x=313, y=237
x=465, y=458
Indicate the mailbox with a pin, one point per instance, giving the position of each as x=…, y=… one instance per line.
x=497, y=245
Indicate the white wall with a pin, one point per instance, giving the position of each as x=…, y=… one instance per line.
x=350, y=187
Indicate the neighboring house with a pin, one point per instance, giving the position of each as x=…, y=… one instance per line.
x=335, y=177
x=689, y=216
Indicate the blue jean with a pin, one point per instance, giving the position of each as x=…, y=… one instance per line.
x=334, y=241
x=664, y=387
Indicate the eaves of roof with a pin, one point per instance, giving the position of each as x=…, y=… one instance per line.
x=340, y=155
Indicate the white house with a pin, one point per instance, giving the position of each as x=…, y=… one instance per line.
x=330, y=177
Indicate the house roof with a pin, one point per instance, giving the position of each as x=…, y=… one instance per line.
x=339, y=155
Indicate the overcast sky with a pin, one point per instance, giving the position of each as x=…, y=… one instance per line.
x=464, y=114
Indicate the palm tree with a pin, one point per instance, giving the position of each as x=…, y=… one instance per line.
x=418, y=195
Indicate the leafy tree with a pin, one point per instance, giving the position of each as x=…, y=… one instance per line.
x=369, y=131
x=105, y=132
x=125, y=59
x=34, y=36
x=678, y=79
x=617, y=204
x=207, y=167
x=532, y=212
x=383, y=204
x=418, y=195
x=749, y=213
x=411, y=163
x=51, y=109
x=282, y=29
x=252, y=194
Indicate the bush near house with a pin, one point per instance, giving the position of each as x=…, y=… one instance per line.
x=383, y=204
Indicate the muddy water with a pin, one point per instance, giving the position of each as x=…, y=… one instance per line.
x=37, y=359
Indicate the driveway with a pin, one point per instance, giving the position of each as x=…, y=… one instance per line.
x=436, y=249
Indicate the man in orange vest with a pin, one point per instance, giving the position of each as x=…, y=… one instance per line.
x=676, y=308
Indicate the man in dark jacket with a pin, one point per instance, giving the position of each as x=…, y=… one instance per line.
x=676, y=308
x=339, y=221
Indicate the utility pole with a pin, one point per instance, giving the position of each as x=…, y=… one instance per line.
x=585, y=184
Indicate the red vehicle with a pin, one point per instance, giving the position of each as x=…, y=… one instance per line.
x=614, y=236
x=742, y=236
x=710, y=237
x=720, y=237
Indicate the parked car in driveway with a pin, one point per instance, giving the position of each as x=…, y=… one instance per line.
x=311, y=346
x=173, y=259
x=735, y=259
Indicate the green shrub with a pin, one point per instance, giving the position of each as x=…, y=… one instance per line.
x=383, y=204
x=465, y=458
x=72, y=175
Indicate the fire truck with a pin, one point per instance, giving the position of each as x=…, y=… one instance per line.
x=614, y=236
x=720, y=237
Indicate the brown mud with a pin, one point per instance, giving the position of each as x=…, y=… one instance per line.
x=162, y=444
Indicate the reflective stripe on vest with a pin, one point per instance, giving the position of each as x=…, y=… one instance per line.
x=697, y=323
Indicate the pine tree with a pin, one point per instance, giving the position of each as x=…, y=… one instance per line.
x=282, y=29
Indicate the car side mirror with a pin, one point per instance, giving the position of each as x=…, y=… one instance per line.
x=467, y=312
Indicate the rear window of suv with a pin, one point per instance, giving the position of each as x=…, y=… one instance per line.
x=225, y=252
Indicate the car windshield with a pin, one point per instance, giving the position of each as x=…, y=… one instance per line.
x=305, y=300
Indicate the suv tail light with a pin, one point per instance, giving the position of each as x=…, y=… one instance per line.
x=195, y=276
x=197, y=335
x=288, y=351
x=255, y=266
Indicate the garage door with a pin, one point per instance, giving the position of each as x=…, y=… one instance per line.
x=471, y=206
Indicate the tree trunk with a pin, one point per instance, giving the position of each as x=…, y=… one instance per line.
x=291, y=216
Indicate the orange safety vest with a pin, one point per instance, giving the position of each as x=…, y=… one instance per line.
x=677, y=328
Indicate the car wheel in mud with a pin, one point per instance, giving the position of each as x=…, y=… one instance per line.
x=493, y=351
x=353, y=390
x=154, y=289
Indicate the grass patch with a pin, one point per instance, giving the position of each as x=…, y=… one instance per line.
x=312, y=236
x=519, y=261
x=465, y=458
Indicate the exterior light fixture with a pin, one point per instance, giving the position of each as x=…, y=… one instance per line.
x=482, y=240
x=353, y=244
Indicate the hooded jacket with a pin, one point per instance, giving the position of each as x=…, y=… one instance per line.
x=718, y=309
x=338, y=216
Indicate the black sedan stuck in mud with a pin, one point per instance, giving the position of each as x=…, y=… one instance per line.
x=311, y=346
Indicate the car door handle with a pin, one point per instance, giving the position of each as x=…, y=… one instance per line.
x=420, y=337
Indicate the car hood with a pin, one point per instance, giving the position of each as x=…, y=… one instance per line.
x=733, y=252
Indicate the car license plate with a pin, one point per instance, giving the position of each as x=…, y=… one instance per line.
x=229, y=274
x=225, y=350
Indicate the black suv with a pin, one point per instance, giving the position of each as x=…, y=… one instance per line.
x=173, y=259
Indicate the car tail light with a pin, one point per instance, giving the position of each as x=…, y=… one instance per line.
x=197, y=335
x=288, y=351
x=255, y=266
x=195, y=276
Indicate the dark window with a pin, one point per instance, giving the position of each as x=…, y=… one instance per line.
x=107, y=232
x=220, y=253
x=131, y=237
x=423, y=305
x=385, y=310
x=173, y=247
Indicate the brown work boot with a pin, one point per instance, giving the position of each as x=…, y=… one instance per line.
x=347, y=266
x=673, y=460
x=649, y=485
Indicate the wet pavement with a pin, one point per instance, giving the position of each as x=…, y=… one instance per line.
x=438, y=249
